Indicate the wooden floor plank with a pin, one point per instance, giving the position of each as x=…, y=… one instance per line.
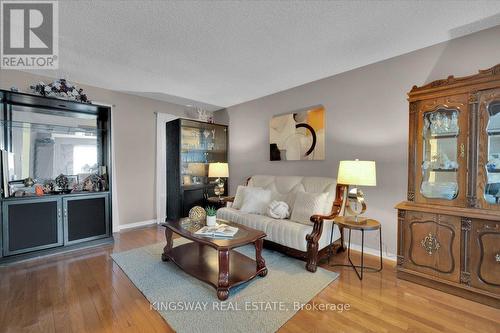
x=86, y=291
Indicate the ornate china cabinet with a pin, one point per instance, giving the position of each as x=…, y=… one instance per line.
x=449, y=227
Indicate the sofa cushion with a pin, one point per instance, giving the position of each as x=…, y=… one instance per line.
x=307, y=205
x=254, y=221
x=284, y=232
x=284, y=188
x=289, y=233
x=256, y=200
x=239, y=198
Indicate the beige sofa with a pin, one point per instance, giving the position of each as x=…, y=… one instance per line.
x=309, y=241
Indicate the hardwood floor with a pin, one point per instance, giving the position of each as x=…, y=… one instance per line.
x=87, y=292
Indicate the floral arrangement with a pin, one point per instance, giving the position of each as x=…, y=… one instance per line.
x=60, y=89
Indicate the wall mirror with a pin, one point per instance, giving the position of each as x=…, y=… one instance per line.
x=45, y=144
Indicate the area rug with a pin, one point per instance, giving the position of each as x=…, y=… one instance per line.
x=189, y=305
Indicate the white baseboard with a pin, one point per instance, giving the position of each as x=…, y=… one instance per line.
x=374, y=252
x=136, y=225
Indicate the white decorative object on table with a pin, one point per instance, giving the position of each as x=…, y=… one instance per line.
x=278, y=209
x=211, y=216
x=211, y=220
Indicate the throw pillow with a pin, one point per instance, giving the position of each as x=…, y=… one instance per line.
x=238, y=198
x=255, y=200
x=306, y=205
x=278, y=210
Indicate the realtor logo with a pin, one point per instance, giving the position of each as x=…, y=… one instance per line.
x=30, y=35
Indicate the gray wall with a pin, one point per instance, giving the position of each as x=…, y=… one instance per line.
x=134, y=131
x=367, y=118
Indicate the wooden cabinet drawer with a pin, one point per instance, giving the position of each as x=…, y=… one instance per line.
x=431, y=244
x=485, y=255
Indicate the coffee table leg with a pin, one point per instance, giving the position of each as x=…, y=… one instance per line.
x=223, y=283
x=168, y=247
x=261, y=263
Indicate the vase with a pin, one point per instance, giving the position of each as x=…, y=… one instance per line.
x=211, y=220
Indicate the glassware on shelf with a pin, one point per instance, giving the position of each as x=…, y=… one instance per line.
x=440, y=154
x=440, y=190
x=492, y=188
x=440, y=161
x=454, y=122
x=441, y=122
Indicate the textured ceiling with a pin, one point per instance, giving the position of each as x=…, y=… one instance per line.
x=227, y=52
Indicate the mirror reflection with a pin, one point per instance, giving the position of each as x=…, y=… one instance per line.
x=45, y=145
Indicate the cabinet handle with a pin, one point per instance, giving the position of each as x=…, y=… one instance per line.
x=65, y=212
x=430, y=244
x=497, y=257
x=462, y=150
x=59, y=212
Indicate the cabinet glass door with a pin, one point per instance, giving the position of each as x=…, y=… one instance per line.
x=492, y=188
x=441, y=150
x=201, y=144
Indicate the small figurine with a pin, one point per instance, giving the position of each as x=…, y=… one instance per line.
x=48, y=187
x=39, y=190
x=28, y=182
x=62, y=182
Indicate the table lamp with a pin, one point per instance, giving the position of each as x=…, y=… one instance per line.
x=357, y=173
x=219, y=170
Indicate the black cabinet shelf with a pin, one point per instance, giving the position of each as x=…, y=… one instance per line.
x=73, y=194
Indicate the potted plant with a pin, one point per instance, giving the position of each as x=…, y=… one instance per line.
x=211, y=216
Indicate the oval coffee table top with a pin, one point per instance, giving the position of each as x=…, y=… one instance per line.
x=186, y=228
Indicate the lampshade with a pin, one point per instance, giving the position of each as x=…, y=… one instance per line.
x=362, y=173
x=218, y=170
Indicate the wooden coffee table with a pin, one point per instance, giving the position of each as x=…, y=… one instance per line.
x=213, y=260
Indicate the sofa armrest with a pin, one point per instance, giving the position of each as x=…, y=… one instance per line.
x=317, y=221
x=229, y=201
x=338, y=203
x=313, y=238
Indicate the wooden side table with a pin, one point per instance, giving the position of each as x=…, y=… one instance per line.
x=219, y=202
x=370, y=224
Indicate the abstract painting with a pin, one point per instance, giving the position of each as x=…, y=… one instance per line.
x=299, y=135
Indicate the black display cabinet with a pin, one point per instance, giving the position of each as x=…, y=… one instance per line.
x=191, y=147
x=42, y=138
